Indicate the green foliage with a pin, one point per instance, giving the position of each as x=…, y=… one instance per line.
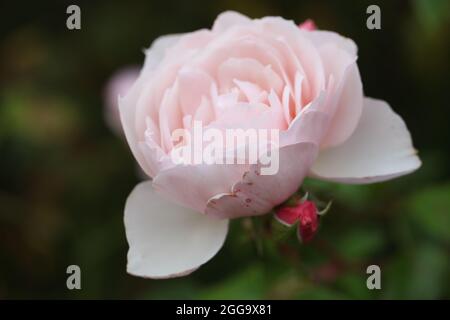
x=430, y=211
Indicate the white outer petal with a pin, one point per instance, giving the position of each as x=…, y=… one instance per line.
x=167, y=240
x=379, y=149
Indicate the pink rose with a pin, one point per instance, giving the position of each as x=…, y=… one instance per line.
x=264, y=73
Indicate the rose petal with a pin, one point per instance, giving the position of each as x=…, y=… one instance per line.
x=193, y=85
x=228, y=19
x=257, y=194
x=346, y=97
x=127, y=107
x=157, y=50
x=252, y=115
x=170, y=117
x=379, y=149
x=167, y=240
x=304, y=49
x=128, y=104
x=246, y=69
x=309, y=125
x=193, y=185
x=321, y=37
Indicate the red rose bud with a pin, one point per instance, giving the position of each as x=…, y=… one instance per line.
x=308, y=25
x=287, y=215
x=308, y=221
x=306, y=214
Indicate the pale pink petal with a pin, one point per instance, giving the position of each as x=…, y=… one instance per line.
x=287, y=106
x=247, y=69
x=252, y=116
x=226, y=101
x=289, y=61
x=239, y=45
x=157, y=50
x=167, y=240
x=127, y=108
x=193, y=85
x=252, y=92
x=257, y=194
x=309, y=125
x=170, y=55
x=345, y=100
x=170, y=117
x=321, y=37
x=154, y=156
x=205, y=112
x=174, y=47
x=379, y=149
x=298, y=92
x=229, y=19
x=304, y=49
x=193, y=185
x=154, y=90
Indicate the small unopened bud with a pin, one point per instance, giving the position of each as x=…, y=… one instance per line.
x=308, y=25
x=308, y=221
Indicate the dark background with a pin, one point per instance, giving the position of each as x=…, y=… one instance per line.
x=65, y=175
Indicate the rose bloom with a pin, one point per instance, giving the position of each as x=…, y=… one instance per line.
x=263, y=73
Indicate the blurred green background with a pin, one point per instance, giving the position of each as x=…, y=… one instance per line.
x=64, y=175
